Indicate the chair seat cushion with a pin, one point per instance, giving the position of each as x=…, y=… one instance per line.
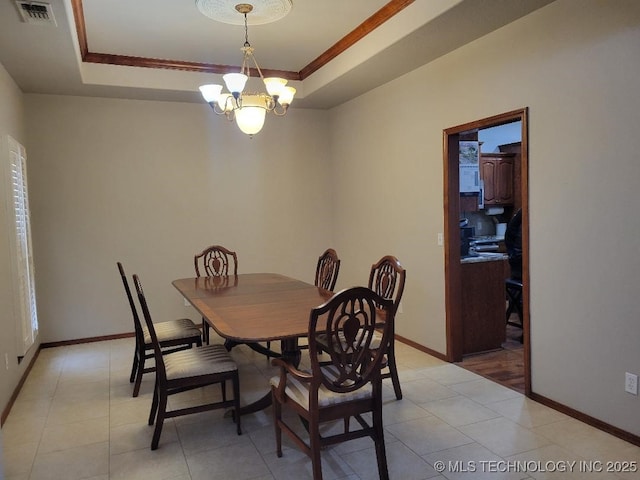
x=172, y=330
x=299, y=391
x=194, y=362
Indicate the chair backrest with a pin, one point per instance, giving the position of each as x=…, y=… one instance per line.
x=327, y=270
x=160, y=368
x=216, y=261
x=136, y=319
x=347, y=325
x=387, y=279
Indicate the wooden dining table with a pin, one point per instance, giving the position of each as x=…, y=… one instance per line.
x=255, y=307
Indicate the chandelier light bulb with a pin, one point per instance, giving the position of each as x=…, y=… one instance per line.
x=274, y=85
x=211, y=92
x=235, y=82
x=286, y=96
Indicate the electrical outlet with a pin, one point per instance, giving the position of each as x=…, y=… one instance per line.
x=186, y=303
x=400, y=307
x=6, y=361
x=440, y=239
x=631, y=383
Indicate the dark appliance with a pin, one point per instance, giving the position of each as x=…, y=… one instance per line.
x=466, y=233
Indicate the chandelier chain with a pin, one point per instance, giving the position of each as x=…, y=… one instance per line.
x=246, y=32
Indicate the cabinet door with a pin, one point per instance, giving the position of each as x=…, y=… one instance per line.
x=504, y=181
x=497, y=174
x=483, y=305
x=488, y=172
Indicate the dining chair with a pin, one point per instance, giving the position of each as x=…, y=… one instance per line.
x=173, y=335
x=387, y=279
x=187, y=370
x=214, y=261
x=349, y=385
x=513, y=289
x=327, y=270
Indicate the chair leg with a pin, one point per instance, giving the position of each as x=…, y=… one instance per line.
x=277, y=417
x=381, y=454
x=223, y=390
x=134, y=367
x=205, y=331
x=140, y=372
x=393, y=369
x=236, y=399
x=514, y=298
x=154, y=404
x=314, y=443
x=162, y=409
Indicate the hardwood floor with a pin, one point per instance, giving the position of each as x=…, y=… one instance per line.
x=505, y=366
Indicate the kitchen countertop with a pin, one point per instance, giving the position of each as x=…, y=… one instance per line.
x=484, y=257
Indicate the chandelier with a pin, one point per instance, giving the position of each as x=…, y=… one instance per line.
x=247, y=108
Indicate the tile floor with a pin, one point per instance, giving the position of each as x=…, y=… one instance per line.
x=75, y=419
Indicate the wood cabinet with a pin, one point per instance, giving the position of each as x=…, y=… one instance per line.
x=497, y=173
x=516, y=149
x=483, y=305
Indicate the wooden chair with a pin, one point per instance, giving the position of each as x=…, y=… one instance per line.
x=387, y=279
x=327, y=270
x=173, y=335
x=214, y=261
x=350, y=385
x=513, y=288
x=188, y=370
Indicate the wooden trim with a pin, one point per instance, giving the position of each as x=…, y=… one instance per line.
x=589, y=420
x=422, y=348
x=79, y=341
x=524, y=201
x=145, y=62
x=452, y=240
x=366, y=27
x=81, y=28
x=452, y=269
x=16, y=391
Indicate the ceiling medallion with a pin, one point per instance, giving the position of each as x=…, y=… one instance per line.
x=263, y=11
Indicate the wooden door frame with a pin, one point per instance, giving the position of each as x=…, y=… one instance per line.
x=453, y=290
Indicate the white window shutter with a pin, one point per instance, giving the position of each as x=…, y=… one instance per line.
x=25, y=297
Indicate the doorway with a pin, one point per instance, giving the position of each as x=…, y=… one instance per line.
x=453, y=271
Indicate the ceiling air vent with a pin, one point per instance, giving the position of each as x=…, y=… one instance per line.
x=36, y=12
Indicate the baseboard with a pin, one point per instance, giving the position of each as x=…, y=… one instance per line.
x=422, y=348
x=16, y=391
x=589, y=420
x=79, y=341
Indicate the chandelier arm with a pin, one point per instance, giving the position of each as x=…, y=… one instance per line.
x=279, y=112
x=255, y=62
x=216, y=109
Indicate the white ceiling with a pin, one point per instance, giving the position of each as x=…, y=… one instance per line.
x=46, y=58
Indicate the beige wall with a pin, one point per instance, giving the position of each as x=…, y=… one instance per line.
x=575, y=65
x=149, y=183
